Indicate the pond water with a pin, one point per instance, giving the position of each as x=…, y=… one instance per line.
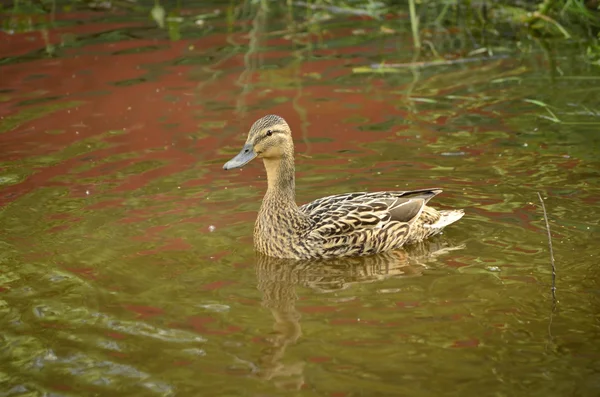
x=126, y=260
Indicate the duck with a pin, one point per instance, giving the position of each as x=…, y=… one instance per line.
x=341, y=225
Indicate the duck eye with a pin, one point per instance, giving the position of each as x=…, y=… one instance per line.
x=269, y=132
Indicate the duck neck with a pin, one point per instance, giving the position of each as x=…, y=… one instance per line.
x=281, y=180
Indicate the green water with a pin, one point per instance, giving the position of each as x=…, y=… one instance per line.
x=126, y=260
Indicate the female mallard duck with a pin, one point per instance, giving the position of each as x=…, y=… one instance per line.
x=350, y=224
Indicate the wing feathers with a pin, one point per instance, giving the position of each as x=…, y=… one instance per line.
x=351, y=215
x=406, y=210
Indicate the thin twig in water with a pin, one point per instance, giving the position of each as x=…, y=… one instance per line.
x=553, y=272
x=551, y=250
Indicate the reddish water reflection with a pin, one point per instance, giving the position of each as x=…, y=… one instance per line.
x=125, y=241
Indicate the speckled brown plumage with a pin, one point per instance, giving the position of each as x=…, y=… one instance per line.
x=351, y=224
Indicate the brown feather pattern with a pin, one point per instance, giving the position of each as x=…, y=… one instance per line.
x=350, y=224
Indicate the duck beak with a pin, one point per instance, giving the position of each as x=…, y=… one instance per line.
x=244, y=157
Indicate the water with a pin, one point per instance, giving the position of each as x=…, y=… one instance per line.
x=127, y=266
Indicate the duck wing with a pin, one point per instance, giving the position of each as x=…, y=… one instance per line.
x=351, y=213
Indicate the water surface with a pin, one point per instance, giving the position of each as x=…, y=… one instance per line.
x=126, y=261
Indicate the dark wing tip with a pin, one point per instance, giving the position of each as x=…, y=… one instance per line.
x=408, y=210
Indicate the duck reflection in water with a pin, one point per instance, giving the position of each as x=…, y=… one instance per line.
x=278, y=278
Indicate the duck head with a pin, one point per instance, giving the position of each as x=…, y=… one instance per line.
x=269, y=138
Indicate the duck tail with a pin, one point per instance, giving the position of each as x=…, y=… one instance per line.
x=447, y=217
